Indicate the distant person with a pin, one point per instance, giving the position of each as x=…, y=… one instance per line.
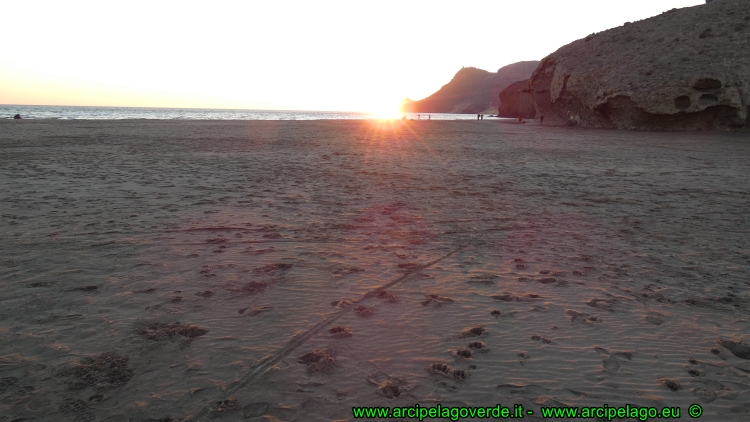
x=429, y=117
x=541, y=119
x=477, y=116
x=482, y=118
x=419, y=117
x=520, y=119
x=17, y=117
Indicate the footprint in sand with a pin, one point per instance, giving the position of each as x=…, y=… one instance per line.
x=580, y=318
x=73, y=406
x=388, y=386
x=739, y=349
x=522, y=356
x=223, y=406
x=253, y=410
x=98, y=398
x=464, y=353
x=602, y=303
x=542, y=339
x=654, y=318
x=504, y=314
x=157, y=331
x=318, y=361
x=436, y=301
x=448, y=371
x=253, y=310
x=460, y=374
x=390, y=389
x=478, y=346
x=273, y=267
x=547, y=280
x=440, y=369
x=106, y=370
x=510, y=297
x=474, y=331
x=364, y=311
x=386, y=296
x=149, y=290
x=344, y=303
x=340, y=332
x=250, y=288
x=611, y=364
x=671, y=384
x=6, y=383
x=409, y=267
x=707, y=396
x=483, y=279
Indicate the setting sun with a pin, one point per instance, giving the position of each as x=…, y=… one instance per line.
x=386, y=111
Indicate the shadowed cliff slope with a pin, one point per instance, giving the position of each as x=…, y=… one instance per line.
x=686, y=69
x=471, y=90
x=514, y=101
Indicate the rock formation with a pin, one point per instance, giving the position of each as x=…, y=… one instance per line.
x=17, y=117
x=686, y=69
x=471, y=90
x=515, y=102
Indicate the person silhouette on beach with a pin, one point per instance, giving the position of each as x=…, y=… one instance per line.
x=429, y=117
x=541, y=119
x=477, y=116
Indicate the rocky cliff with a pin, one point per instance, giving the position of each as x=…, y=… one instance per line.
x=471, y=90
x=514, y=101
x=686, y=69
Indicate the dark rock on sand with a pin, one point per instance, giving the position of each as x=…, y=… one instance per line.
x=17, y=117
x=682, y=70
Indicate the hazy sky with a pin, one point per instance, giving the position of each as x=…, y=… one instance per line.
x=314, y=55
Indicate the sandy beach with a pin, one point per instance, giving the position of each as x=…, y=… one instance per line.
x=289, y=271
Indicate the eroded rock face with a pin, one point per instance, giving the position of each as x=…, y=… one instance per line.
x=515, y=102
x=686, y=69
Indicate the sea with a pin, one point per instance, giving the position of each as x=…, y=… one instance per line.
x=122, y=113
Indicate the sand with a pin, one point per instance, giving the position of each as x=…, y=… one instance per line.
x=291, y=270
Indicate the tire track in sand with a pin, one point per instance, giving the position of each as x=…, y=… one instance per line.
x=263, y=366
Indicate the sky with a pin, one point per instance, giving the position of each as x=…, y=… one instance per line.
x=355, y=55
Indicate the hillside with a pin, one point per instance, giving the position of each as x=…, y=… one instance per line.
x=471, y=90
x=686, y=69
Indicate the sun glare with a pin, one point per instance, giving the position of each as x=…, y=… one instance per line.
x=386, y=112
